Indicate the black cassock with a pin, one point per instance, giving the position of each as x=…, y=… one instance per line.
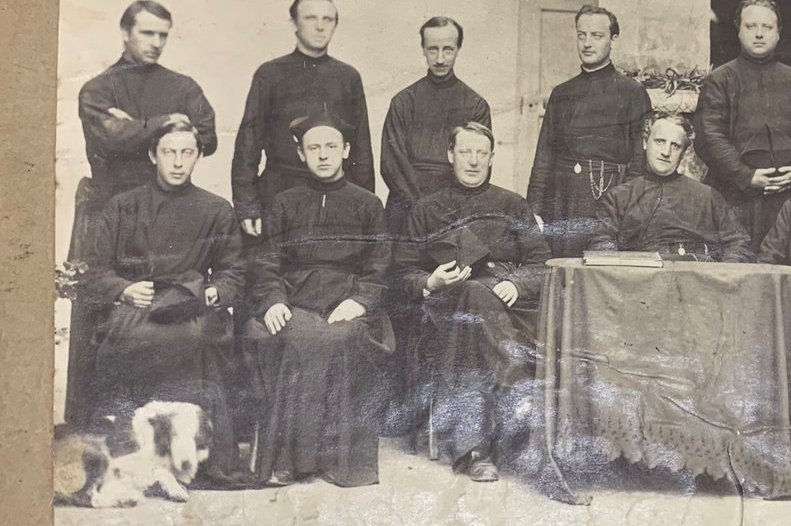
x=481, y=347
x=183, y=240
x=776, y=247
x=673, y=215
x=320, y=386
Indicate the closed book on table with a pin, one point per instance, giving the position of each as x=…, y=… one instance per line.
x=622, y=258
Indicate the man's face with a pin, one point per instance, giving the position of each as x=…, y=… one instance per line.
x=664, y=147
x=175, y=158
x=758, y=32
x=315, y=24
x=440, y=47
x=594, y=41
x=323, y=149
x=471, y=158
x=146, y=39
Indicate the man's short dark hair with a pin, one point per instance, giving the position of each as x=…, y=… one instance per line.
x=675, y=118
x=587, y=9
x=769, y=4
x=474, y=127
x=156, y=9
x=292, y=10
x=175, y=127
x=441, y=21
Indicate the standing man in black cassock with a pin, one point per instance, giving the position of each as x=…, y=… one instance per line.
x=414, y=152
x=120, y=110
x=318, y=333
x=744, y=122
x=164, y=266
x=475, y=262
x=590, y=137
x=285, y=89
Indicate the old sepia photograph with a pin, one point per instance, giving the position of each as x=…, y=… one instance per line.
x=412, y=262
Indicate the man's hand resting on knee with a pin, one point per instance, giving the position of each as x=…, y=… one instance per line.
x=276, y=318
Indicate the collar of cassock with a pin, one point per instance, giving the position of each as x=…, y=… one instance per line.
x=457, y=187
x=759, y=62
x=603, y=72
x=126, y=65
x=172, y=191
x=323, y=186
x=307, y=59
x=443, y=82
x=651, y=176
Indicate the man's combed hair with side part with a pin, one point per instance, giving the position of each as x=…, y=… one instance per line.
x=292, y=10
x=675, y=118
x=587, y=9
x=441, y=21
x=769, y=4
x=474, y=127
x=131, y=12
x=175, y=127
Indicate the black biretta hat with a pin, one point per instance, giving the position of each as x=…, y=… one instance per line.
x=320, y=117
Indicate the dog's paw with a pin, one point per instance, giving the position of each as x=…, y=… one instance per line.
x=178, y=493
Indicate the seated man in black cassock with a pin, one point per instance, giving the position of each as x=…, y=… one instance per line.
x=318, y=333
x=666, y=212
x=166, y=263
x=475, y=261
x=776, y=246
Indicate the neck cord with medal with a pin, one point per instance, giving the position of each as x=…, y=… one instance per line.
x=597, y=190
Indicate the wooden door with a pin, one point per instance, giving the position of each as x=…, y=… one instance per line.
x=547, y=56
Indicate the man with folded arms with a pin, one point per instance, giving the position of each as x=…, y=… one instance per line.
x=121, y=109
x=164, y=266
x=666, y=212
x=317, y=331
x=475, y=261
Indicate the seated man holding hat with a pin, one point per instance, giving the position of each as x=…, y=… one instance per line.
x=475, y=261
x=664, y=211
x=318, y=333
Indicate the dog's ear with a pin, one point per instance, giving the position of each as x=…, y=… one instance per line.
x=163, y=433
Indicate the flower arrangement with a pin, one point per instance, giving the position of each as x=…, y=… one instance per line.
x=67, y=278
x=671, y=91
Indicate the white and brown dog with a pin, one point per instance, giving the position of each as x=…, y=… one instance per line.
x=169, y=440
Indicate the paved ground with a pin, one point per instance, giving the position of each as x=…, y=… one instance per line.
x=417, y=492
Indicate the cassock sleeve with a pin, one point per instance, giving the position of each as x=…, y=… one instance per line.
x=533, y=254
x=409, y=254
x=608, y=226
x=371, y=285
x=361, y=157
x=247, y=152
x=113, y=136
x=482, y=114
x=541, y=189
x=201, y=116
x=268, y=287
x=640, y=107
x=733, y=237
x=228, y=267
x=713, y=143
x=103, y=284
x=776, y=246
x=396, y=168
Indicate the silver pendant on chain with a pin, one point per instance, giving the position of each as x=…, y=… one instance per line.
x=577, y=169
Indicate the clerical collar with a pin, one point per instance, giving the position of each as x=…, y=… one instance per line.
x=126, y=64
x=651, y=176
x=307, y=58
x=469, y=190
x=443, y=82
x=603, y=70
x=760, y=62
x=323, y=186
x=171, y=190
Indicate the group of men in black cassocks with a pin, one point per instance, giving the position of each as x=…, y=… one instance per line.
x=331, y=291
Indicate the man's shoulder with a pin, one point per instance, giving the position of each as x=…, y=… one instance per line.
x=627, y=83
x=507, y=196
x=210, y=198
x=471, y=92
x=285, y=61
x=106, y=77
x=724, y=72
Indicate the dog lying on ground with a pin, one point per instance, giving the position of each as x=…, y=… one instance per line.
x=161, y=447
